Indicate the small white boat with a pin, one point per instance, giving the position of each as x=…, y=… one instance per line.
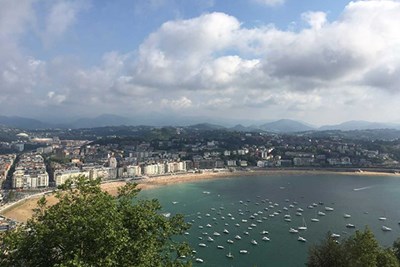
x=201, y=227
x=210, y=239
x=186, y=233
x=229, y=255
x=246, y=233
x=244, y=221
x=320, y=213
x=329, y=209
x=382, y=218
x=300, y=210
x=242, y=251
x=301, y=239
x=386, y=229
x=253, y=225
x=206, y=192
x=299, y=214
x=199, y=260
x=333, y=235
x=293, y=231
x=220, y=247
x=264, y=232
x=208, y=214
x=226, y=231
x=209, y=225
x=237, y=225
x=315, y=220
x=175, y=202
x=288, y=220
x=265, y=238
x=216, y=234
x=202, y=245
x=346, y=215
x=167, y=215
x=230, y=241
x=253, y=242
x=237, y=237
x=349, y=225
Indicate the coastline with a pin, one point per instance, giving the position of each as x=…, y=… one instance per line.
x=22, y=210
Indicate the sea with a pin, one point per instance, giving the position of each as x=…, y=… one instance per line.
x=255, y=207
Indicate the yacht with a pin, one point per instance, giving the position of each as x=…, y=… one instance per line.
x=220, y=247
x=386, y=229
x=216, y=234
x=202, y=245
x=230, y=241
x=299, y=214
x=320, y=213
x=209, y=225
x=253, y=242
x=382, y=218
x=229, y=255
x=264, y=232
x=288, y=220
x=328, y=209
x=238, y=237
x=265, y=238
x=349, y=225
x=304, y=227
x=246, y=233
x=242, y=251
x=199, y=260
x=210, y=239
x=333, y=235
x=226, y=231
x=302, y=239
x=315, y=220
x=293, y=231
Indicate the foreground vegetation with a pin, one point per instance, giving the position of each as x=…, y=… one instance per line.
x=89, y=227
x=360, y=249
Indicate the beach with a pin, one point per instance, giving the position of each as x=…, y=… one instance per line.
x=23, y=210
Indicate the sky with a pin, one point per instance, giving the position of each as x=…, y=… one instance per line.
x=320, y=62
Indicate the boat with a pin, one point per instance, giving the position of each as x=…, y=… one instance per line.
x=329, y=209
x=229, y=255
x=300, y=210
x=230, y=241
x=349, y=225
x=315, y=220
x=226, y=231
x=333, y=235
x=210, y=239
x=220, y=247
x=199, y=260
x=216, y=234
x=208, y=214
x=386, y=229
x=237, y=237
x=167, y=214
x=202, y=245
x=382, y=218
x=237, y=225
x=243, y=251
x=321, y=213
x=253, y=242
x=264, y=232
x=209, y=225
x=304, y=227
x=301, y=239
x=265, y=238
x=175, y=202
x=299, y=214
x=288, y=220
x=246, y=233
x=293, y=231
x=253, y=225
x=186, y=233
x=206, y=192
x=346, y=215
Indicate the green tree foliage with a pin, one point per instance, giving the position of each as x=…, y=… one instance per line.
x=89, y=227
x=360, y=249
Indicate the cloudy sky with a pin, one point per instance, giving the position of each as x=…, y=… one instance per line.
x=316, y=61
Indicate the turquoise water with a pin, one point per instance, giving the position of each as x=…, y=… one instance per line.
x=222, y=203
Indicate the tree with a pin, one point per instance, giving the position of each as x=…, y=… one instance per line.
x=396, y=248
x=89, y=227
x=360, y=249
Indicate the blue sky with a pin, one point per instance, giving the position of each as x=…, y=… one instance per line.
x=316, y=61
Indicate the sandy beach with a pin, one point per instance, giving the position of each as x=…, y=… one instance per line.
x=23, y=211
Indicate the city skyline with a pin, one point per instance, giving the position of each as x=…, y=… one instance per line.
x=318, y=62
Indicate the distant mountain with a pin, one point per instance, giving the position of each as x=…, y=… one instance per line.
x=100, y=121
x=286, y=126
x=359, y=125
x=206, y=126
x=23, y=123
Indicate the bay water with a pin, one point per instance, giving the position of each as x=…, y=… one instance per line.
x=256, y=204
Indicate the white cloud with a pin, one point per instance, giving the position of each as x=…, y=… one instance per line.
x=62, y=15
x=270, y=2
x=177, y=104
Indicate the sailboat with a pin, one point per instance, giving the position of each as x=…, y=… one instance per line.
x=304, y=227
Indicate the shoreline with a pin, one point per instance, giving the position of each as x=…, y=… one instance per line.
x=22, y=210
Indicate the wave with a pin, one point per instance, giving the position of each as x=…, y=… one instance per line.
x=362, y=188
